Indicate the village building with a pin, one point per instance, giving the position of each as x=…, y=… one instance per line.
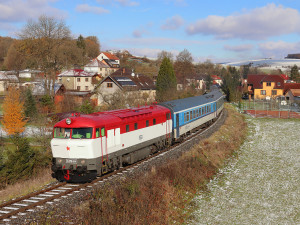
x=292, y=92
x=128, y=82
x=78, y=80
x=261, y=86
x=8, y=80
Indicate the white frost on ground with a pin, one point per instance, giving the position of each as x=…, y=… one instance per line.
x=261, y=186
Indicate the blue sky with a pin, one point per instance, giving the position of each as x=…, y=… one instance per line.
x=221, y=31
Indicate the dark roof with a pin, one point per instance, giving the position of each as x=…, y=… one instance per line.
x=288, y=86
x=126, y=77
x=187, y=103
x=257, y=80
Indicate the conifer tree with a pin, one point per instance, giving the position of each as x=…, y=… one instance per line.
x=166, y=81
x=30, y=105
x=13, y=113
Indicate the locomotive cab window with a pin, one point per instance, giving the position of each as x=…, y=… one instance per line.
x=102, y=131
x=82, y=133
x=147, y=123
x=97, y=132
x=127, y=128
x=135, y=126
x=60, y=132
x=154, y=121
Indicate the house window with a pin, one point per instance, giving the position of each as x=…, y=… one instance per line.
x=278, y=84
x=274, y=92
x=268, y=83
x=263, y=92
x=135, y=126
x=109, y=85
x=78, y=88
x=78, y=79
x=87, y=79
x=147, y=123
x=86, y=88
x=127, y=128
x=100, y=69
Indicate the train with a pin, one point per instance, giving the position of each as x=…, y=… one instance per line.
x=86, y=146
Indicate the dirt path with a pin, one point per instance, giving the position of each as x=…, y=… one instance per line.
x=262, y=185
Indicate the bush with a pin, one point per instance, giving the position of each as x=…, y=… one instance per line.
x=20, y=163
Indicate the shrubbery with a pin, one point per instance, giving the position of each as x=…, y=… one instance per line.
x=20, y=162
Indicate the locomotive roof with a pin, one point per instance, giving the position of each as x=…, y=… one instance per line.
x=113, y=117
x=187, y=103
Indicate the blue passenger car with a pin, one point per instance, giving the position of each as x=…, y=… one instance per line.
x=193, y=112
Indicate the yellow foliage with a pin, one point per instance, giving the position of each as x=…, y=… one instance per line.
x=13, y=113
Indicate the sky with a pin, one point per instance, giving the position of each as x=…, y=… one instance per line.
x=219, y=30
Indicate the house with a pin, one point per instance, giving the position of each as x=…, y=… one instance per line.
x=28, y=73
x=7, y=80
x=217, y=80
x=293, y=96
x=99, y=67
x=79, y=80
x=292, y=92
x=197, y=81
x=112, y=60
x=127, y=81
x=261, y=86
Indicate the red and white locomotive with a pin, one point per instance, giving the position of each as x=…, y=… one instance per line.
x=86, y=146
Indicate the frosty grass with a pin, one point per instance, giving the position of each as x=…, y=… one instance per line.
x=262, y=184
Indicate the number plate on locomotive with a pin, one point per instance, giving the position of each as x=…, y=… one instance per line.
x=71, y=161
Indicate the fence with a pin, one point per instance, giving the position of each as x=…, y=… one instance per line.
x=271, y=108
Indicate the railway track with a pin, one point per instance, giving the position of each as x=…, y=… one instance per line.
x=21, y=206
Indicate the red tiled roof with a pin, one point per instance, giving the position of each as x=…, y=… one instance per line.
x=288, y=86
x=110, y=56
x=285, y=77
x=257, y=80
x=215, y=77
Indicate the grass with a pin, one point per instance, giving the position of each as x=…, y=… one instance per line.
x=25, y=187
x=163, y=195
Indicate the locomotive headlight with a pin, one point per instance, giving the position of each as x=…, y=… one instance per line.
x=82, y=161
x=68, y=121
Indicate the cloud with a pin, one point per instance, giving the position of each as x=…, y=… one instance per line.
x=278, y=49
x=173, y=23
x=138, y=33
x=22, y=10
x=257, y=24
x=85, y=8
x=125, y=3
x=238, y=48
x=156, y=41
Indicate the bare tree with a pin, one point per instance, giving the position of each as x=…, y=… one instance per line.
x=42, y=39
x=164, y=54
x=183, y=66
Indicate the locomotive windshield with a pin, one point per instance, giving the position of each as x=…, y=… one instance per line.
x=74, y=133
